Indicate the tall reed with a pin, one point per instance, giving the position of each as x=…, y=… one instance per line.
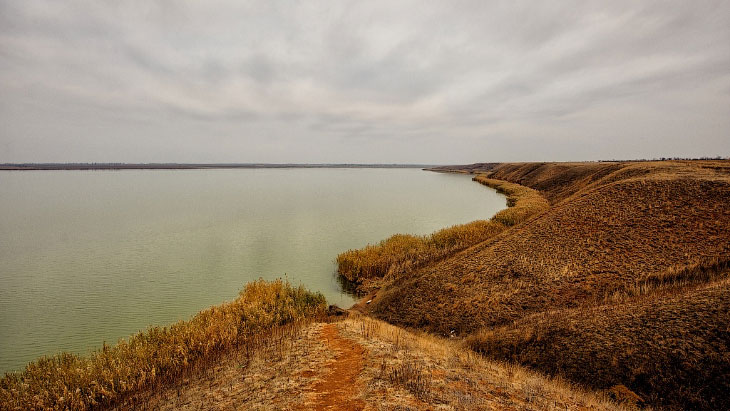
x=69, y=381
x=403, y=252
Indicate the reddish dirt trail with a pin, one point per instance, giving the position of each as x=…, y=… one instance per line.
x=339, y=384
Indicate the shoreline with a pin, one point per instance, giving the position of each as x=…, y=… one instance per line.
x=370, y=267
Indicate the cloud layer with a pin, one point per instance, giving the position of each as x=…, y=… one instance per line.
x=450, y=82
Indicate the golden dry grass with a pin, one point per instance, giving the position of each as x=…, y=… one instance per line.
x=415, y=370
x=158, y=355
x=613, y=232
x=403, y=253
x=600, y=239
x=671, y=348
x=523, y=202
x=397, y=369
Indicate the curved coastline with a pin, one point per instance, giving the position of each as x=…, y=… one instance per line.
x=365, y=268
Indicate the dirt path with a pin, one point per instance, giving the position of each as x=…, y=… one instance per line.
x=339, y=386
x=358, y=364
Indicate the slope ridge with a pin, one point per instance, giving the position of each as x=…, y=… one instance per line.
x=612, y=230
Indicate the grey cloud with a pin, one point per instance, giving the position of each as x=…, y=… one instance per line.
x=337, y=82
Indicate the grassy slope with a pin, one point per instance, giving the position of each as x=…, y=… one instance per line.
x=610, y=226
x=673, y=349
x=392, y=369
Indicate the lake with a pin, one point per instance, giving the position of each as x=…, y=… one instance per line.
x=93, y=256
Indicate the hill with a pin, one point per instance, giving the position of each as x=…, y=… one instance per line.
x=610, y=227
x=360, y=363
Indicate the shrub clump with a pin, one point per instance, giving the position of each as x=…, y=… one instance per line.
x=69, y=381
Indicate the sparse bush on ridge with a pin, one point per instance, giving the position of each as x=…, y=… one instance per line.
x=403, y=252
x=69, y=381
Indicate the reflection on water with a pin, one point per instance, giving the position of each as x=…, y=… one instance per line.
x=92, y=256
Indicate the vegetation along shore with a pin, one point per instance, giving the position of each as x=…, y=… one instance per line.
x=599, y=286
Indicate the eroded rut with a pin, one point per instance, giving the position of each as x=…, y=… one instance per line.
x=339, y=386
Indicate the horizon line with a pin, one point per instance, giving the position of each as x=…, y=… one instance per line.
x=120, y=165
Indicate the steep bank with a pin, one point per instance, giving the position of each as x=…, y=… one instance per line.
x=670, y=340
x=610, y=226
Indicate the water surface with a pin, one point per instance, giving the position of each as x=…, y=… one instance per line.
x=93, y=256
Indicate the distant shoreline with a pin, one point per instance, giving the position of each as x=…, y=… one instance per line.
x=187, y=166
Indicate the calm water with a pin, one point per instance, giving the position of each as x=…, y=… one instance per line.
x=92, y=256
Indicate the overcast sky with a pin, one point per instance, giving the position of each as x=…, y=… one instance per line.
x=366, y=81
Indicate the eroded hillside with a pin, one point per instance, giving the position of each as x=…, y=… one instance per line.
x=610, y=227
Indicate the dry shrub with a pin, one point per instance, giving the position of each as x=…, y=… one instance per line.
x=158, y=355
x=622, y=395
x=402, y=252
x=413, y=377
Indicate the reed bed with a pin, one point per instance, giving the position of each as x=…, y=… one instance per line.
x=402, y=252
x=158, y=355
x=523, y=202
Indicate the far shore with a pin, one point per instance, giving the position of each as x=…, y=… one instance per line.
x=188, y=166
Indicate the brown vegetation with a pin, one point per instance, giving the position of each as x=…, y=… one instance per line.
x=672, y=349
x=614, y=232
x=522, y=202
x=382, y=367
x=158, y=355
x=613, y=276
x=402, y=252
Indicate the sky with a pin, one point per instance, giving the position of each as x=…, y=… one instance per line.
x=444, y=82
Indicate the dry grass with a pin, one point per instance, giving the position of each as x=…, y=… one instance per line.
x=158, y=355
x=273, y=372
x=614, y=232
x=523, y=202
x=673, y=279
x=672, y=349
x=399, y=370
x=402, y=253
x=413, y=370
x=599, y=240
